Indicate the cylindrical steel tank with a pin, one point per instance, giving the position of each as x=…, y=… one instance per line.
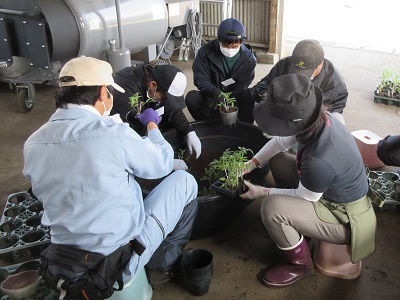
x=46, y=31
x=85, y=27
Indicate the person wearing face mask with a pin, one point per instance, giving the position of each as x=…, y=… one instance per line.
x=308, y=59
x=165, y=84
x=224, y=65
x=83, y=167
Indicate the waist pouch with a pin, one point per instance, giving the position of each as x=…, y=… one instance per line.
x=80, y=274
x=360, y=216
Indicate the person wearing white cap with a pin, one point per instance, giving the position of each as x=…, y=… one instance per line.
x=225, y=64
x=165, y=84
x=308, y=59
x=82, y=166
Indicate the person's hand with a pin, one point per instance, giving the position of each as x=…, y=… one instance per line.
x=216, y=98
x=255, y=191
x=149, y=115
x=249, y=166
x=193, y=143
x=179, y=164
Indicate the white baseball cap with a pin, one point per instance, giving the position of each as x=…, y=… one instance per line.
x=89, y=71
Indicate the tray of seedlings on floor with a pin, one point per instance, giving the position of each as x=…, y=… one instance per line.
x=42, y=291
x=386, y=185
x=20, y=225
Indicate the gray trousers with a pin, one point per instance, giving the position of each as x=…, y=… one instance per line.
x=287, y=218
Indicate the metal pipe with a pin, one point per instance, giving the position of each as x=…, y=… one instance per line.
x=20, y=13
x=121, y=38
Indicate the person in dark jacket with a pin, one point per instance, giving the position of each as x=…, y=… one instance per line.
x=308, y=58
x=224, y=65
x=165, y=84
x=389, y=150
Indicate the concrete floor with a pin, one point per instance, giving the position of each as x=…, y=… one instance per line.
x=244, y=248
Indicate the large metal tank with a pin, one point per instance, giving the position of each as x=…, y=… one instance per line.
x=69, y=28
x=38, y=36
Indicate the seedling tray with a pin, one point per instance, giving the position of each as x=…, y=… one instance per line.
x=386, y=100
x=20, y=225
x=386, y=185
x=40, y=294
x=217, y=186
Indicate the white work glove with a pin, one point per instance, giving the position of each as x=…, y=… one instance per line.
x=193, y=143
x=255, y=191
x=249, y=166
x=179, y=164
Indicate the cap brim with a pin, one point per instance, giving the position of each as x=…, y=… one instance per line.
x=176, y=102
x=271, y=124
x=117, y=87
x=298, y=71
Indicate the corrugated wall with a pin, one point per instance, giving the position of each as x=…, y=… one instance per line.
x=254, y=14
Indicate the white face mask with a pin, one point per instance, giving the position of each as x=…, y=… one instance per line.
x=154, y=95
x=229, y=52
x=107, y=112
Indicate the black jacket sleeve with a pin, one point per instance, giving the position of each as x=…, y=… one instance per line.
x=259, y=91
x=177, y=119
x=389, y=150
x=333, y=87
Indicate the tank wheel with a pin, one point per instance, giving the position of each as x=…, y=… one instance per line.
x=24, y=104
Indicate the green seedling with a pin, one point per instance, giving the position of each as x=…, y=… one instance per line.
x=138, y=104
x=181, y=154
x=228, y=169
x=390, y=83
x=228, y=101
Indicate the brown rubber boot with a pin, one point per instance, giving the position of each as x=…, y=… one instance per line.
x=299, y=265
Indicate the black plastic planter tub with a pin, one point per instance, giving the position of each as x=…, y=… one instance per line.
x=216, y=211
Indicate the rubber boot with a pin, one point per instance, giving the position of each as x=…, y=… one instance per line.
x=299, y=265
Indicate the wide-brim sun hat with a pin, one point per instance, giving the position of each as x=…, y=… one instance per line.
x=292, y=105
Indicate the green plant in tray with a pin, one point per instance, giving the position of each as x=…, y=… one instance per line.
x=228, y=169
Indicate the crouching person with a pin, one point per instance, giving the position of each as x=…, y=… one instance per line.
x=321, y=192
x=82, y=166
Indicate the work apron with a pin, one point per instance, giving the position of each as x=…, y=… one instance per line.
x=359, y=215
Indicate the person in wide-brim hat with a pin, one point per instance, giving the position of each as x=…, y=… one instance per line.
x=318, y=190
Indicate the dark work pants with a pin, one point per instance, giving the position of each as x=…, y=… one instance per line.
x=198, y=106
x=169, y=252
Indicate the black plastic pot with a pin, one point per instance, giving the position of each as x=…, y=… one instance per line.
x=217, y=187
x=216, y=211
x=130, y=117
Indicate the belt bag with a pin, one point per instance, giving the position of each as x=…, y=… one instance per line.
x=80, y=274
x=360, y=216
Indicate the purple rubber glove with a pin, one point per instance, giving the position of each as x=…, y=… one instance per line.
x=149, y=115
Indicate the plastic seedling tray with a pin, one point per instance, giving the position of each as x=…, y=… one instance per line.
x=217, y=186
x=41, y=293
x=386, y=185
x=20, y=225
x=386, y=100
